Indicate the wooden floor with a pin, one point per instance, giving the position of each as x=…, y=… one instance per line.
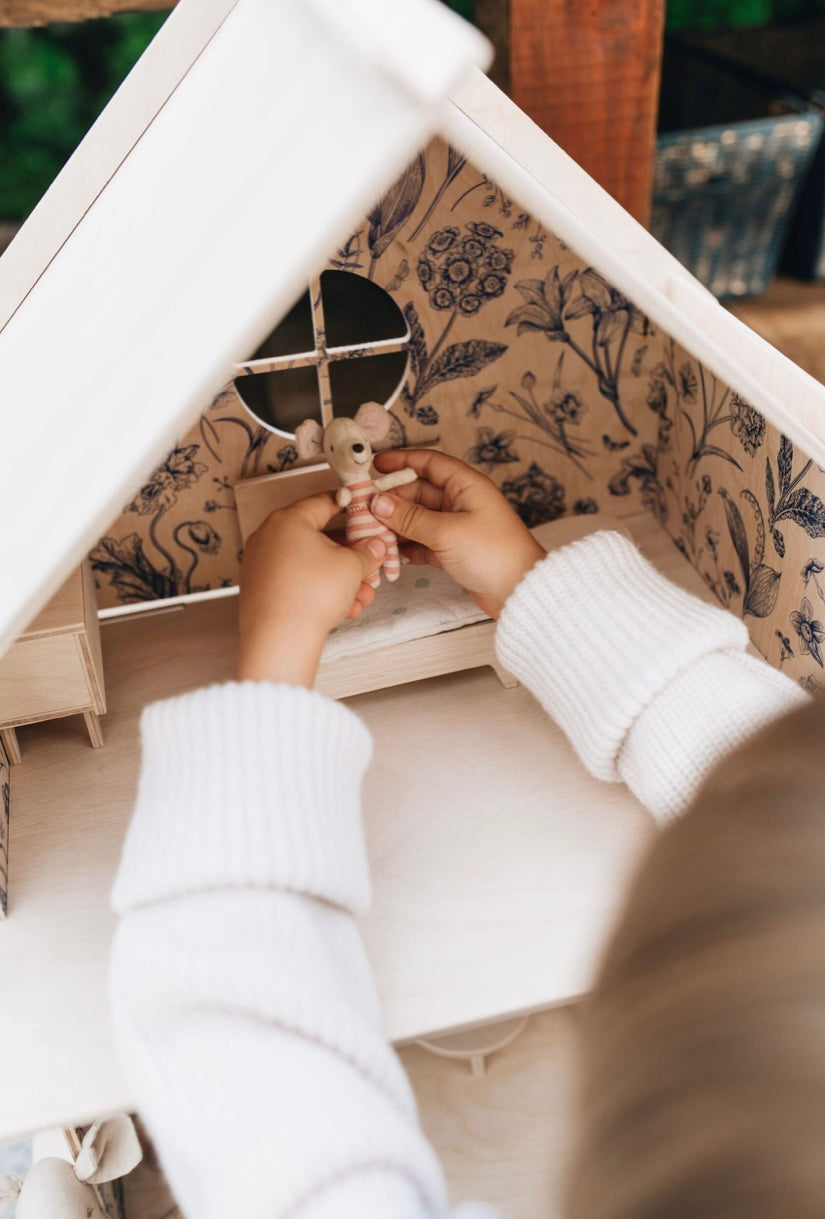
x=791, y=316
x=501, y=1138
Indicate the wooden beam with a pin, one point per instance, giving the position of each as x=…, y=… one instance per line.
x=588, y=74
x=41, y=12
x=493, y=19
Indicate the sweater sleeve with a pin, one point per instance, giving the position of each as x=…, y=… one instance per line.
x=650, y=684
x=245, y=1013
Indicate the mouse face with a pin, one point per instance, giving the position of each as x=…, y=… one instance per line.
x=348, y=450
x=346, y=443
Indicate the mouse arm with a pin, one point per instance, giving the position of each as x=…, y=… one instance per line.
x=387, y=481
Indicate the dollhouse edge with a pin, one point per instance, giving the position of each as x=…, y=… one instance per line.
x=192, y=363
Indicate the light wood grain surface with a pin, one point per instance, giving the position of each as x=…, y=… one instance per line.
x=65, y=613
x=502, y=1138
x=40, y=12
x=55, y=667
x=497, y=860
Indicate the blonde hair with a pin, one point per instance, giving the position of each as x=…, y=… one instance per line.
x=702, y=1088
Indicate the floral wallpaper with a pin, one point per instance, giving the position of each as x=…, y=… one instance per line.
x=741, y=504
x=527, y=363
x=5, y=801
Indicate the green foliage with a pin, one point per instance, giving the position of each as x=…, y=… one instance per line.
x=465, y=7
x=728, y=14
x=54, y=82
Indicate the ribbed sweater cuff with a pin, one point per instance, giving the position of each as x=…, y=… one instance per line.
x=248, y=785
x=595, y=633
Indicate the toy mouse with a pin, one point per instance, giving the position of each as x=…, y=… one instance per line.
x=347, y=446
x=57, y=1189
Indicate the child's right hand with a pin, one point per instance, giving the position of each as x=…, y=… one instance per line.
x=456, y=518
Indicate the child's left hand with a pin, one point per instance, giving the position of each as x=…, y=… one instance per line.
x=296, y=585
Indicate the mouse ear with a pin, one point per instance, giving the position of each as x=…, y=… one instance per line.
x=309, y=438
x=373, y=419
x=110, y=1149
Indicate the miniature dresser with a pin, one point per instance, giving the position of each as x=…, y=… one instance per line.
x=55, y=668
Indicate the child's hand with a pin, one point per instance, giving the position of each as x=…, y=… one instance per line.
x=296, y=585
x=457, y=519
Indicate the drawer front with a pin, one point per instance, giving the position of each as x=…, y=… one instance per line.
x=40, y=678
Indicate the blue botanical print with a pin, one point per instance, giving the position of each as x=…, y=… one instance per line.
x=175, y=474
x=460, y=273
x=258, y=437
x=490, y=449
x=494, y=197
x=747, y=425
x=810, y=571
x=401, y=273
x=562, y=409
x=790, y=502
x=690, y=390
x=455, y=163
x=553, y=302
x=643, y=469
x=585, y=507
x=761, y=582
x=349, y=256
x=286, y=457
x=810, y=631
x=786, y=651
x=536, y=496
x=136, y=575
x=393, y=211
x=722, y=582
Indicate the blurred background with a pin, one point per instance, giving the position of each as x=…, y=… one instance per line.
x=704, y=118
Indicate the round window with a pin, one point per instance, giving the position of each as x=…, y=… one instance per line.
x=342, y=343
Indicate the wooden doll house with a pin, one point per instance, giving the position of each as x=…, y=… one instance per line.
x=285, y=210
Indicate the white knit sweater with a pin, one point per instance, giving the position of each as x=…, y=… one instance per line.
x=244, y=1007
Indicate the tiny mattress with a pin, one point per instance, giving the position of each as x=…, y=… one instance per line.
x=422, y=601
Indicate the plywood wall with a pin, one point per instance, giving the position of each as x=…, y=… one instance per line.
x=526, y=363
x=5, y=801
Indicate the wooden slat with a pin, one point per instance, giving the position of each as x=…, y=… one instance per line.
x=41, y=12
x=493, y=19
x=588, y=74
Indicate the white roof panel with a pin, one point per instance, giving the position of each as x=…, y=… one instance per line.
x=285, y=128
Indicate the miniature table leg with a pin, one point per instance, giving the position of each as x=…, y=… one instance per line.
x=8, y=739
x=505, y=677
x=92, y=720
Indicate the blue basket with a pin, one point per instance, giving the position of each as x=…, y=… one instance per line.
x=723, y=196
x=770, y=61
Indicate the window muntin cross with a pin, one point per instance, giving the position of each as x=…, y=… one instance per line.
x=347, y=318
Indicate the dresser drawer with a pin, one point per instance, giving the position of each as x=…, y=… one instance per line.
x=43, y=678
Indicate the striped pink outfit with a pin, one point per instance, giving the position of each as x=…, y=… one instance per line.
x=361, y=524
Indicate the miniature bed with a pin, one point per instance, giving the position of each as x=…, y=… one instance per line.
x=532, y=329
